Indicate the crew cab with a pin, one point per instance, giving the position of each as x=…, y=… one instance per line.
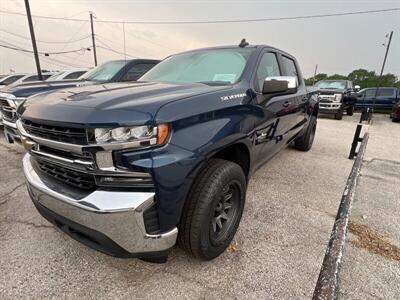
x=336, y=96
x=130, y=169
x=112, y=71
x=383, y=99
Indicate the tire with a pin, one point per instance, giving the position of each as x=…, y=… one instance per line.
x=200, y=232
x=339, y=114
x=350, y=111
x=305, y=141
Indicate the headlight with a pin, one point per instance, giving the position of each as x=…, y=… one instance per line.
x=144, y=135
x=338, y=97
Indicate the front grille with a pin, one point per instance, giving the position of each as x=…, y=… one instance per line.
x=3, y=102
x=56, y=133
x=68, y=176
x=8, y=112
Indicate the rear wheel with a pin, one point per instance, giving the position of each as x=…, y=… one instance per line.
x=213, y=209
x=305, y=141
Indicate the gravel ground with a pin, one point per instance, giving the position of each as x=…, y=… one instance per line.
x=277, y=252
x=371, y=264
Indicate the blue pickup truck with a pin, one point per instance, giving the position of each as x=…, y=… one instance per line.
x=129, y=169
x=113, y=71
x=385, y=99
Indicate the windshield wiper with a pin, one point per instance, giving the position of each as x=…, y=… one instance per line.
x=216, y=83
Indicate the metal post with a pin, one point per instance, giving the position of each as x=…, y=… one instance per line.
x=356, y=140
x=315, y=73
x=35, y=51
x=383, y=67
x=93, y=40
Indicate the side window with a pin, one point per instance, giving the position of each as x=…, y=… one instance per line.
x=370, y=93
x=137, y=71
x=268, y=67
x=11, y=79
x=75, y=75
x=386, y=93
x=290, y=67
x=31, y=78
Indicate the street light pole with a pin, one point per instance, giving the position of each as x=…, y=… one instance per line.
x=35, y=51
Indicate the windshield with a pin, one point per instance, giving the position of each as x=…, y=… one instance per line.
x=334, y=85
x=104, y=72
x=214, y=67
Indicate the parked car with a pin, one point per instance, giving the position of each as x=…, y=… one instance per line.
x=124, y=168
x=386, y=98
x=9, y=79
x=30, y=78
x=396, y=112
x=112, y=71
x=68, y=75
x=336, y=96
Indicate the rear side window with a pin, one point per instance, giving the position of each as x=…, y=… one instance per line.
x=75, y=75
x=268, y=67
x=386, y=92
x=137, y=71
x=290, y=67
x=382, y=92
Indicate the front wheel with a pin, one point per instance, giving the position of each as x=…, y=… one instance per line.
x=305, y=141
x=350, y=111
x=339, y=114
x=213, y=210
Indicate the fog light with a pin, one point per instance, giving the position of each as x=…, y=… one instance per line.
x=121, y=181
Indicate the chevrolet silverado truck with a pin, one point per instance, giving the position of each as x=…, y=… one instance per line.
x=112, y=71
x=130, y=169
x=336, y=97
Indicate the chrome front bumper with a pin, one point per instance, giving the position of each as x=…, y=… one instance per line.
x=11, y=132
x=116, y=215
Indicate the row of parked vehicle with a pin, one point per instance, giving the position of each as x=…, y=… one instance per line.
x=339, y=96
x=141, y=154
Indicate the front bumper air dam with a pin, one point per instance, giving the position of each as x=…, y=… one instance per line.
x=108, y=221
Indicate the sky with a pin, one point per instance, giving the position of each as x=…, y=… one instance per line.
x=337, y=44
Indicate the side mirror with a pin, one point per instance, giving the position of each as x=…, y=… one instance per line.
x=280, y=85
x=357, y=88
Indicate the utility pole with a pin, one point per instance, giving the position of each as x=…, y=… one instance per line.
x=35, y=51
x=315, y=73
x=383, y=67
x=93, y=39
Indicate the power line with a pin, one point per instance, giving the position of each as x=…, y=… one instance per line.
x=46, y=42
x=214, y=21
x=107, y=47
x=15, y=47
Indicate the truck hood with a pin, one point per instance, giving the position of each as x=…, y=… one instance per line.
x=110, y=104
x=29, y=89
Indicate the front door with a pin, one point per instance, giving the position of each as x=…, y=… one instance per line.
x=271, y=124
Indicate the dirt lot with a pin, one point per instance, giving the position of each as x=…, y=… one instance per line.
x=277, y=253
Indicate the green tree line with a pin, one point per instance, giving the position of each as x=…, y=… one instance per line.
x=361, y=77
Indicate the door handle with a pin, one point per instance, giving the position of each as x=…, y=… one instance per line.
x=286, y=104
x=304, y=99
